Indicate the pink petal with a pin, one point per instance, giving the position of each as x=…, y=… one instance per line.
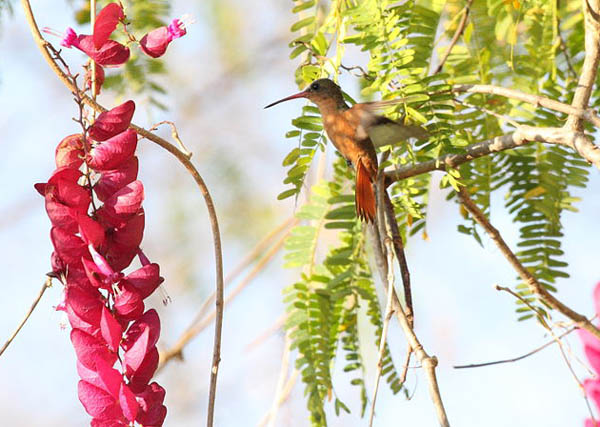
x=83, y=308
x=112, y=122
x=96, y=278
x=126, y=202
x=69, y=247
x=145, y=279
x=591, y=347
x=110, y=329
x=113, y=152
x=141, y=377
x=70, y=38
x=177, y=29
x=68, y=193
x=106, y=22
x=128, y=403
x=97, y=402
x=131, y=233
x=128, y=302
x=135, y=355
x=69, y=152
x=103, y=266
x=149, y=321
x=109, y=379
x=89, y=349
x=592, y=390
x=62, y=216
x=90, y=230
x=113, y=180
x=154, y=44
x=66, y=173
x=110, y=54
x=152, y=412
x=122, y=241
x=108, y=423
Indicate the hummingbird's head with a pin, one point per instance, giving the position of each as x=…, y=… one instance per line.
x=320, y=91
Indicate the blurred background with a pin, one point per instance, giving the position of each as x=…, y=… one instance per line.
x=233, y=61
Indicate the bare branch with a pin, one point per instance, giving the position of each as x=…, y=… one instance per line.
x=386, y=322
x=428, y=363
x=37, y=299
x=400, y=256
x=589, y=70
x=521, y=136
x=535, y=286
x=175, y=136
x=516, y=359
x=271, y=416
x=537, y=100
x=459, y=30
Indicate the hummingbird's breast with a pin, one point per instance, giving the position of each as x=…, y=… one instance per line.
x=341, y=127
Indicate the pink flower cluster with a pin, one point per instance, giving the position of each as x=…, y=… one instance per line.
x=591, y=348
x=110, y=53
x=93, y=244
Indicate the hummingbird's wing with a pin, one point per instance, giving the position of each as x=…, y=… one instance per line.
x=381, y=130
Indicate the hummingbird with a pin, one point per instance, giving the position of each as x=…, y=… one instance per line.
x=355, y=132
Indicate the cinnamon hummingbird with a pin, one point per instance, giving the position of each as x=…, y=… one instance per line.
x=355, y=131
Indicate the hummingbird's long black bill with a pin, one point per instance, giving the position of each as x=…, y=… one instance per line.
x=298, y=95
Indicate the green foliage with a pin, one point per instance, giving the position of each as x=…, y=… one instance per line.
x=533, y=46
x=323, y=305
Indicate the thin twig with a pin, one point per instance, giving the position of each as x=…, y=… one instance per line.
x=400, y=256
x=404, y=371
x=93, y=63
x=174, y=135
x=428, y=363
x=536, y=100
x=268, y=333
x=271, y=416
x=516, y=359
x=37, y=299
x=196, y=327
x=386, y=322
x=244, y=263
x=459, y=30
x=534, y=286
x=285, y=394
x=490, y=112
x=43, y=45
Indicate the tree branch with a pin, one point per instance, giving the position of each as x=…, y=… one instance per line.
x=428, y=363
x=589, y=70
x=46, y=49
x=534, y=286
x=386, y=322
x=521, y=136
x=536, y=100
x=459, y=30
x=45, y=286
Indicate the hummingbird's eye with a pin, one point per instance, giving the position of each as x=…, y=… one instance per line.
x=314, y=86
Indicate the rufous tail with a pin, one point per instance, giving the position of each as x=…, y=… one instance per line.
x=364, y=193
